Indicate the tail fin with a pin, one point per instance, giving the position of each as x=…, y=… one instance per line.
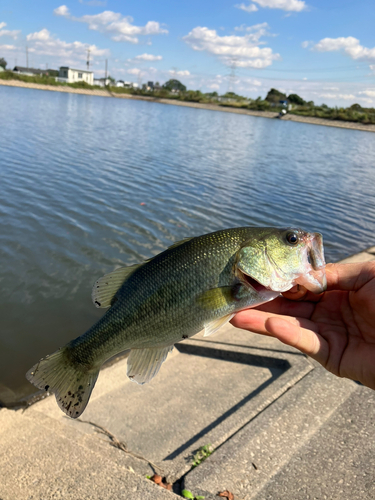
x=71, y=384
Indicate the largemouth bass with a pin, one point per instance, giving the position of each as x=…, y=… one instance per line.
x=198, y=283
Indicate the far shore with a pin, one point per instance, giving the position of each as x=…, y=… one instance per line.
x=212, y=107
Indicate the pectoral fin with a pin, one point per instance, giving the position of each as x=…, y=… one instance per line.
x=216, y=298
x=216, y=324
x=144, y=364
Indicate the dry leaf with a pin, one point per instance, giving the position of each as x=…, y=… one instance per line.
x=226, y=494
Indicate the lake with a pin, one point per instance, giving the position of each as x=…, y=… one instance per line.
x=91, y=183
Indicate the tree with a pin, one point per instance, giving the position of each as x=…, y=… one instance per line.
x=356, y=107
x=174, y=85
x=3, y=62
x=296, y=99
x=275, y=96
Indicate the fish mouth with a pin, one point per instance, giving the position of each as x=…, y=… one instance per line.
x=315, y=278
x=265, y=292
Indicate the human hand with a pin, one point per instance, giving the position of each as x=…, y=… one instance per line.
x=337, y=327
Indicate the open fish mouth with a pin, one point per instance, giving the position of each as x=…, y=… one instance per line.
x=266, y=293
x=314, y=277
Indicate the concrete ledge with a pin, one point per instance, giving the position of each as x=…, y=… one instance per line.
x=248, y=461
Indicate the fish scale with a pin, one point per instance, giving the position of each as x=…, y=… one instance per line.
x=197, y=283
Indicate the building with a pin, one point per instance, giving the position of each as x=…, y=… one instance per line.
x=102, y=82
x=29, y=71
x=69, y=75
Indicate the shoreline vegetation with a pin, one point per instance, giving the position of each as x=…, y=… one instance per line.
x=355, y=117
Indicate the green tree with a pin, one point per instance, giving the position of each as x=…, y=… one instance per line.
x=275, y=96
x=174, y=85
x=296, y=99
x=3, y=62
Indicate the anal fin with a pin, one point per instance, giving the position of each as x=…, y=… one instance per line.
x=144, y=364
x=216, y=324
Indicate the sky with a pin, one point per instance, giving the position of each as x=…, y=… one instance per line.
x=323, y=50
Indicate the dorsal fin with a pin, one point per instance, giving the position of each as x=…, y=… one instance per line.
x=181, y=242
x=106, y=287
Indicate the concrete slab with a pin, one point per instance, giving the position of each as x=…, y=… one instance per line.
x=37, y=461
x=247, y=462
x=359, y=257
x=338, y=462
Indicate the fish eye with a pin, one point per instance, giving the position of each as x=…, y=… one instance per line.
x=292, y=238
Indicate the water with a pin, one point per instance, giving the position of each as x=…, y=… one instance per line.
x=90, y=183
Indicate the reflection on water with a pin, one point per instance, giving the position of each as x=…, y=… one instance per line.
x=90, y=183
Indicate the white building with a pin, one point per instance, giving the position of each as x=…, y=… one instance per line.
x=69, y=75
x=127, y=85
x=102, y=82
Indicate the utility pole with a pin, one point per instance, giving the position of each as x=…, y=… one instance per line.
x=106, y=70
x=27, y=56
x=88, y=60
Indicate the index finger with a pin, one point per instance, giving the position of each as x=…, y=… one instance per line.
x=349, y=277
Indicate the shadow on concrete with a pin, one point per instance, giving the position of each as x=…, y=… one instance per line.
x=276, y=366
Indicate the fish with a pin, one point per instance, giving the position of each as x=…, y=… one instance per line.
x=197, y=283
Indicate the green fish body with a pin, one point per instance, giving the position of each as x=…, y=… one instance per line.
x=195, y=284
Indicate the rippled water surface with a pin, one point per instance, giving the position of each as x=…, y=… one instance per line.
x=90, y=183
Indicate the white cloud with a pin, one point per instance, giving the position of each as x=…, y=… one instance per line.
x=368, y=93
x=12, y=33
x=348, y=45
x=43, y=35
x=243, y=50
x=147, y=57
x=68, y=53
x=134, y=71
x=119, y=28
x=214, y=86
x=287, y=5
x=8, y=47
x=260, y=29
x=62, y=11
x=372, y=67
x=337, y=96
x=179, y=73
x=247, y=8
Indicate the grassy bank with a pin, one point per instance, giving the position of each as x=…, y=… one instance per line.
x=262, y=108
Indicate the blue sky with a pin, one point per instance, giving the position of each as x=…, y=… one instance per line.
x=322, y=50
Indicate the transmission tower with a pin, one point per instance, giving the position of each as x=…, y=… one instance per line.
x=88, y=60
x=232, y=76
